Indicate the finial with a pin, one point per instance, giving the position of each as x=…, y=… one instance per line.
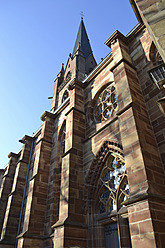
x=81, y=13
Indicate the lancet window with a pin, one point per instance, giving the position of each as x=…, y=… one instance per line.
x=106, y=104
x=62, y=141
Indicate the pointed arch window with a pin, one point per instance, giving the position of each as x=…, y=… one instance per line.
x=65, y=96
x=155, y=56
x=62, y=141
x=113, y=186
x=106, y=104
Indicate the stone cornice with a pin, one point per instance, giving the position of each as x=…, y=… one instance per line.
x=140, y=196
x=46, y=114
x=30, y=236
x=74, y=83
x=12, y=154
x=115, y=36
x=135, y=32
x=69, y=222
x=123, y=60
x=126, y=39
x=25, y=138
x=70, y=151
x=44, y=140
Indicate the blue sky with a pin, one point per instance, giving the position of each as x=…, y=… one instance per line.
x=36, y=37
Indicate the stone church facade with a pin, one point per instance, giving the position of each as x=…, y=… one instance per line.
x=93, y=174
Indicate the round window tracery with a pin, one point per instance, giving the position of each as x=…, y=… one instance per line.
x=106, y=104
x=113, y=185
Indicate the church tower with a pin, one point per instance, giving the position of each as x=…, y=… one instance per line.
x=68, y=107
x=80, y=63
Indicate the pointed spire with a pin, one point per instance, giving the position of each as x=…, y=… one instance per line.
x=82, y=41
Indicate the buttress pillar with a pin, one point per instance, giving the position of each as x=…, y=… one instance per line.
x=143, y=166
x=32, y=223
x=7, y=181
x=70, y=230
x=14, y=202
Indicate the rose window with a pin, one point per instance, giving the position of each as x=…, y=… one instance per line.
x=106, y=104
x=113, y=186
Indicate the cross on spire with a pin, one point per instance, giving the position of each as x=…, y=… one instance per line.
x=82, y=14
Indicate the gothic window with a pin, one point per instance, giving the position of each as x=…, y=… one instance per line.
x=113, y=186
x=62, y=142
x=158, y=58
x=155, y=55
x=106, y=104
x=65, y=96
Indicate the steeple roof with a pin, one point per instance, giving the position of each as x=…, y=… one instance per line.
x=82, y=41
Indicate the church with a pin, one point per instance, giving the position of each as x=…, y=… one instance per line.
x=93, y=174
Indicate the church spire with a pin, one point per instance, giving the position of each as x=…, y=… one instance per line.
x=82, y=41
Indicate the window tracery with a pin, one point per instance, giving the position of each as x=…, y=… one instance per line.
x=113, y=185
x=106, y=104
x=65, y=96
x=158, y=59
x=155, y=56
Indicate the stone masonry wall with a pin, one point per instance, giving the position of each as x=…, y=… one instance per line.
x=140, y=55
x=152, y=13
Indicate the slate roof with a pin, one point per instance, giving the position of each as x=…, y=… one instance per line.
x=82, y=39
